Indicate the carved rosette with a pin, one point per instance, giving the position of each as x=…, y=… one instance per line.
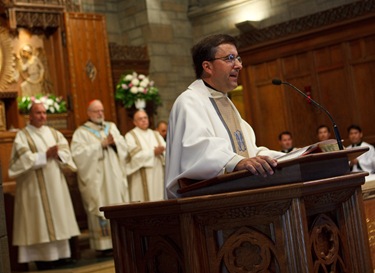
x=91, y=70
x=247, y=251
x=326, y=246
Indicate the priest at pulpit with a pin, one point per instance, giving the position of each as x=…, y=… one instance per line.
x=206, y=134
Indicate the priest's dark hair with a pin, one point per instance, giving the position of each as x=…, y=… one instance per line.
x=285, y=133
x=205, y=50
x=323, y=126
x=354, y=127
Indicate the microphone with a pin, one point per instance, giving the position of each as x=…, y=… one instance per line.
x=335, y=129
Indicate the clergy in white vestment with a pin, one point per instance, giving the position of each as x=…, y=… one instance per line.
x=366, y=161
x=206, y=134
x=100, y=151
x=44, y=219
x=145, y=165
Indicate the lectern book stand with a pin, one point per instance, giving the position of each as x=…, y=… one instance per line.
x=308, y=219
x=304, y=168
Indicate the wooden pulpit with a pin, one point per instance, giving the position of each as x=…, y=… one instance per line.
x=311, y=221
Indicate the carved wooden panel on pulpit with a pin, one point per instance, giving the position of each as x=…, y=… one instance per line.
x=157, y=241
x=245, y=239
x=311, y=227
x=89, y=64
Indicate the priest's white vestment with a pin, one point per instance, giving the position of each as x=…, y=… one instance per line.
x=198, y=144
x=101, y=176
x=44, y=218
x=366, y=161
x=145, y=170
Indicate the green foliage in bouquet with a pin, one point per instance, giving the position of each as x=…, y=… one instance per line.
x=133, y=86
x=53, y=104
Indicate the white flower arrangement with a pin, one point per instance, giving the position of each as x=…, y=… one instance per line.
x=52, y=103
x=133, y=86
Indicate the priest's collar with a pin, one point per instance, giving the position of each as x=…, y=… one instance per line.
x=287, y=150
x=96, y=124
x=357, y=144
x=214, y=92
x=33, y=127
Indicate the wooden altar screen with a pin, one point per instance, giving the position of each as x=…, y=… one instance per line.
x=310, y=226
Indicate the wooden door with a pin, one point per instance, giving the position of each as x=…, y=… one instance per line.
x=89, y=64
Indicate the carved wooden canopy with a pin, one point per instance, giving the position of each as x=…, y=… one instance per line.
x=36, y=14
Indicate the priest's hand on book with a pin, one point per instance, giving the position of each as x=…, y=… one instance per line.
x=259, y=165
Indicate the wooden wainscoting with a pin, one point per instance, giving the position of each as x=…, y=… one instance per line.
x=335, y=63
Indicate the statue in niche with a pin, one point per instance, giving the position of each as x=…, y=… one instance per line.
x=47, y=82
x=32, y=71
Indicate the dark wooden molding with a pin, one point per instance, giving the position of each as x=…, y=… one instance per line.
x=8, y=94
x=336, y=15
x=127, y=53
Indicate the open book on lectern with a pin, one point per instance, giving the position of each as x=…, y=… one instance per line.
x=329, y=145
x=317, y=161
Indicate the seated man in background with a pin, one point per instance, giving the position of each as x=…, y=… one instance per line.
x=145, y=164
x=323, y=132
x=206, y=134
x=162, y=128
x=366, y=161
x=286, y=142
x=44, y=219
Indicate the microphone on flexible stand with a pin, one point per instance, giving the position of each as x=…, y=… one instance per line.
x=335, y=129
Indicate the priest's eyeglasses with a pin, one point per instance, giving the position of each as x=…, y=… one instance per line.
x=231, y=58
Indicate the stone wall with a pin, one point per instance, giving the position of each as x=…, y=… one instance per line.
x=170, y=27
x=163, y=26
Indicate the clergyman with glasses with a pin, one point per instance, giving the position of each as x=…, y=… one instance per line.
x=206, y=134
x=100, y=152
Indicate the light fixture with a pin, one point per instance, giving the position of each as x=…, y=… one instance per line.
x=248, y=26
